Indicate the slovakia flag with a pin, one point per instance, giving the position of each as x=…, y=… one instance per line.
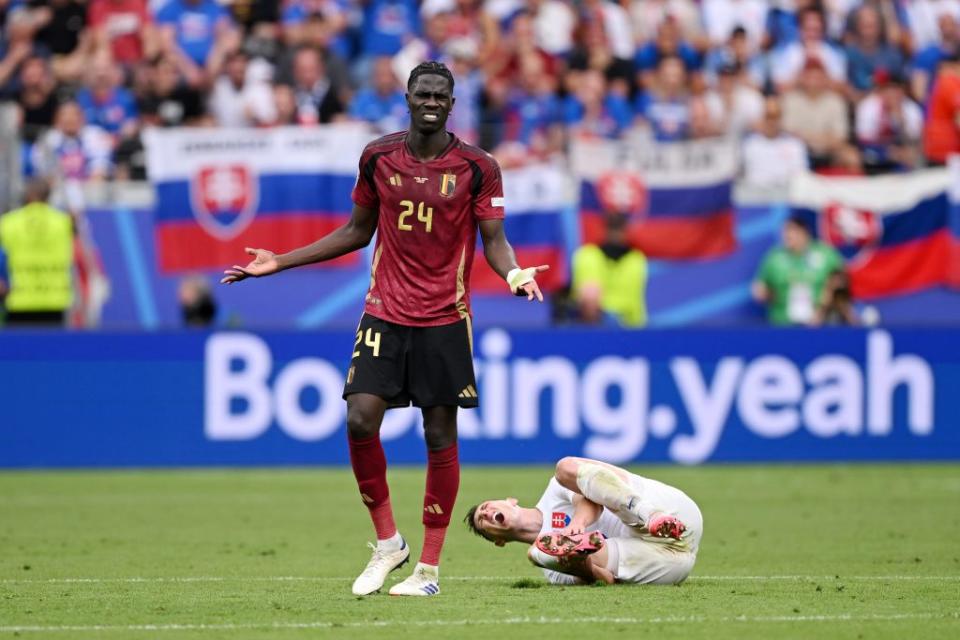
x=899, y=233
x=220, y=190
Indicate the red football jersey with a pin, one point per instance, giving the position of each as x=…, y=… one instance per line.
x=427, y=227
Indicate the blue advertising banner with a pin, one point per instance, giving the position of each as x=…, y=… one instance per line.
x=233, y=398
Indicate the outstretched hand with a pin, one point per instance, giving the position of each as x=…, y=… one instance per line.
x=263, y=264
x=530, y=288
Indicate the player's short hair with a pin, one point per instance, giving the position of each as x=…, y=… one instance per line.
x=471, y=521
x=430, y=67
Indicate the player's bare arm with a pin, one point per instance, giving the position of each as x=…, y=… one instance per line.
x=501, y=258
x=353, y=235
x=585, y=512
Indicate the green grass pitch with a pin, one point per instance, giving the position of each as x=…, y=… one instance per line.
x=853, y=551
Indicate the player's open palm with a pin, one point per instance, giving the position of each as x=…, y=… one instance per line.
x=263, y=264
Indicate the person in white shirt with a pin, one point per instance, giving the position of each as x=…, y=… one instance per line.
x=889, y=126
x=596, y=522
x=242, y=96
x=771, y=157
x=721, y=17
x=787, y=63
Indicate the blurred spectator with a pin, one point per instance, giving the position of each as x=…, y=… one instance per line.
x=124, y=28
x=553, y=25
x=791, y=278
x=314, y=92
x=836, y=302
x=38, y=242
x=927, y=61
x=242, y=95
x=198, y=308
x=315, y=34
x=788, y=63
x=603, y=42
x=869, y=51
x=922, y=17
x=387, y=26
x=611, y=279
x=166, y=101
x=72, y=150
x=514, y=50
x=737, y=52
x=192, y=32
x=771, y=157
x=721, y=17
x=382, y=104
x=60, y=26
x=818, y=115
x=735, y=105
x=532, y=115
x=648, y=15
x=463, y=63
x=889, y=126
x=310, y=21
x=285, y=104
x=592, y=111
x=37, y=98
x=15, y=48
x=668, y=42
x=665, y=108
x=105, y=103
x=941, y=134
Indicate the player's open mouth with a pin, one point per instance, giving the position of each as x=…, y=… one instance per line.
x=431, y=117
x=498, y=518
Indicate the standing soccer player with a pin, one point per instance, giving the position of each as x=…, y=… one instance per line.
x=425, y=193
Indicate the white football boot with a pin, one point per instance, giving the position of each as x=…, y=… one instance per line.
x=382, y=562
x=425, y=581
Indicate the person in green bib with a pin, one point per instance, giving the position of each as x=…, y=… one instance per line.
x=38, y=242
x=791, y=277
x=610, y=279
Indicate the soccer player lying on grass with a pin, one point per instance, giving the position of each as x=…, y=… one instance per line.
x=595, y=522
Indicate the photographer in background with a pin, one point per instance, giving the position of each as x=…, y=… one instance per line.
x=836, y=302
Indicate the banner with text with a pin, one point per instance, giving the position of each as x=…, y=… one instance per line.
x=678, y=196
x=234, y=398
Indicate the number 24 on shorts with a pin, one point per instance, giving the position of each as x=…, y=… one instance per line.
x=372, y=340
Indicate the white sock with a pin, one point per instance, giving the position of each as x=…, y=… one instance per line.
x=430, y=569
x=599, y=484
x=393, y=543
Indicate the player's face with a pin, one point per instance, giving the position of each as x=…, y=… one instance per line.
x=430, y=101
x=497, y=518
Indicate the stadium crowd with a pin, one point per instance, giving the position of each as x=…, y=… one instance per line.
x=852, y=86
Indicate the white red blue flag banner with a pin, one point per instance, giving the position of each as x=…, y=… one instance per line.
x=220, y=190
x=678, y=196
x=899, y=233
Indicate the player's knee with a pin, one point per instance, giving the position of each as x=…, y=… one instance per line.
x=360, y=424
x=566, y=472
x=439, y=436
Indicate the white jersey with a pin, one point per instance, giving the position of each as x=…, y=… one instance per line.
x=643, y=558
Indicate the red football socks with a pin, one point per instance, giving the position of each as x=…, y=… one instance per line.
x=443, y=481
x=370, y=469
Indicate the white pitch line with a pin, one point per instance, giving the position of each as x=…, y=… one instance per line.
x=188, y=579
x=473, y=621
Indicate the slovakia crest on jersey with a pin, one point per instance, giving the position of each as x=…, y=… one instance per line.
x=851, y=231
x=559, y=520
x=224, y=199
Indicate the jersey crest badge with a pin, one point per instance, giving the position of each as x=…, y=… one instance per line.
x=448, y=184
x=559, y=520
x=224, y=199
